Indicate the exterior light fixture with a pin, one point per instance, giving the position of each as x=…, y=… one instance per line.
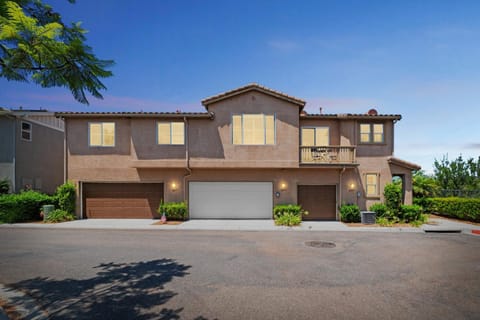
x=351, y=186
x=174, y=186
x=283, y=186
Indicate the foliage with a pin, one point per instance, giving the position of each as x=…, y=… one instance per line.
x=457, y=175
x=380, y=209
x=288, y=214
x=36, y=45
x=350, y=213
x=174, y=210
x=461, y=208
x=384, y=222
x=59, y=215
x=393, y=196
x=65, y=196
x=423, y=218
x=288, y=219
x=4, y=186
x=24, y=206
x=409, y=213
x=282, y=209
x=424, y=187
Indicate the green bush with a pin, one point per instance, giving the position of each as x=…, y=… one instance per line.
x=24, y=206
x=409, y=213
x=393, y=196
x=174, y=210
x=4, y=186
x=460, y=208
x=380, y=210
x=65, y=196
x=59, y=215
x=350, y=213
x=384, y=222
x=288, y=219
x=282, y=209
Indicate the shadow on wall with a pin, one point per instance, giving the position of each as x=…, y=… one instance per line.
x=118, y=291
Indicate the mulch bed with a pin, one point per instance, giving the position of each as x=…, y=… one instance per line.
x=171, y=223
x=395, y=225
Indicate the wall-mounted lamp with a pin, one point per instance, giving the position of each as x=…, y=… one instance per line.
x=283, y=186
x=351, y=186
x=173, y=186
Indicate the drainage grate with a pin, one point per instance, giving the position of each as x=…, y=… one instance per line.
x=320, y=244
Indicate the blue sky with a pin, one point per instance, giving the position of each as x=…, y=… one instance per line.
x=420, y=59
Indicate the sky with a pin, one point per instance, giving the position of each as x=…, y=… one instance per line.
x=420, y=59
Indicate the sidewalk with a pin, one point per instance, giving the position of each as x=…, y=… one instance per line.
x=437, y=225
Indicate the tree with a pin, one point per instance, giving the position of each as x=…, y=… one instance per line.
x=36, y=45
x=458, y=175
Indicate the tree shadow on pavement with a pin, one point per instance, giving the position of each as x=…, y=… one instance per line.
x=118, y=291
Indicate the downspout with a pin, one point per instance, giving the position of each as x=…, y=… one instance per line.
x=187, y=160
x=340, y=191
x=14, y=178
x=64, y=151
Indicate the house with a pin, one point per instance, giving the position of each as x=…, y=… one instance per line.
x=251, y=149
x=31, y=149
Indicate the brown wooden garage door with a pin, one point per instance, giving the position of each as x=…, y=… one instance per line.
x=319, y=201
x=121, y=200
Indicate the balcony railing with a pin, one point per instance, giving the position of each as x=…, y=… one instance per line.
x=327, y=155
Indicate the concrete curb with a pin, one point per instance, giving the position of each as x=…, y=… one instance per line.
x=24, y=306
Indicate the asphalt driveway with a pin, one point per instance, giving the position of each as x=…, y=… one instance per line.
x=114, y=274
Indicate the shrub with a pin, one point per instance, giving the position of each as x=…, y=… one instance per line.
x=281, y=209
x=65, y=196
x=4, y=186
x=461, y=208
x=288, y=219
x=380, y=209
x=410, y=213
x=384, y=222
x=350, y=213
x=24, y=206
x=393, y=196
x=174, y=210
x=59, y=215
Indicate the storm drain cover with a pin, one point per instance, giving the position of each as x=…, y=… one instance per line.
x=320, y=244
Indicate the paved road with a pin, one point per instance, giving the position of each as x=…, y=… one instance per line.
x=95, y=274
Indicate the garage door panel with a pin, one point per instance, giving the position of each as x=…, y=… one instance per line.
x=319, y=201
x=122, y=200
x=230, y=200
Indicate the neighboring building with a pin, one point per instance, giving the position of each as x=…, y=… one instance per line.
x=31, y=149
x=253, y=148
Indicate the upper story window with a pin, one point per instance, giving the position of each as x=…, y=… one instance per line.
x=171, y=133
x=26, y=131
x=253, y=129
x=315, y=136
x=371, y=184
x=371, y=133
x=101, y=134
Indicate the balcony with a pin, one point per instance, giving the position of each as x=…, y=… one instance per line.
x=327, y=155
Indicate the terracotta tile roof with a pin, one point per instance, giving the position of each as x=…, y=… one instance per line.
x=69, y=114
x=351, y=116
x=249, y=87
x=403, y=163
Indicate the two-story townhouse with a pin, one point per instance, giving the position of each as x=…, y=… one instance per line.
x=31, y=149
x=253, y=148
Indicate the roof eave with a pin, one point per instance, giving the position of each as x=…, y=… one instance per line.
x=133, y=115
x=404, y=164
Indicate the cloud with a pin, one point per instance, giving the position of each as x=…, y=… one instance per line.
x=474, y=146
x=286, y=46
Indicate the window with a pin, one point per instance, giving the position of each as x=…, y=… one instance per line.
x=371, y=184
x=101, y=134
x=171, y=133
x=26, y=131
x=371, y=133
x=313, y=137
x=253, y=129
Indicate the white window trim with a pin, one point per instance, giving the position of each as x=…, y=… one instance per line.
x=264, y=131
x=377, y=192
x=29, y=131
x=371, y=133
x=314, y=136
x=171, y=131
x=114, y=134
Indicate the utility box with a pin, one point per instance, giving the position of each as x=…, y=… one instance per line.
x=46, y=210
x=368, y=217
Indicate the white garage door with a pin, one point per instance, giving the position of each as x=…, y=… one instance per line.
x=230, y=200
